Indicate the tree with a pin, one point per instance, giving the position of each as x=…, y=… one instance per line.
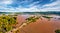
x=57, y=31
x=32, y=19
x=6, y=23
x=48, y=17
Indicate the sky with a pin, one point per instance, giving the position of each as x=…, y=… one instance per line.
x=29, y=5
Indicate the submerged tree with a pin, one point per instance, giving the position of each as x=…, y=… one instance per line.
x=48, y=17
x=32, y=19
x=57, y=31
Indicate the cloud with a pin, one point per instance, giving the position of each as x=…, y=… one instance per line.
x=29, y=6
x=55, y=6
x=6, y=2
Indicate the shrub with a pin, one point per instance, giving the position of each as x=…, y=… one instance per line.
x=57, y=31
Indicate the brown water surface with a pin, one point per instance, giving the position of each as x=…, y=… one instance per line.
x=40, y=26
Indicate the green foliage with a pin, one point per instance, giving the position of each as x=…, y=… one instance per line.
x=6, y=23
x=57, y=31
x=17, y=31
x=48, y=17
x=32, y=19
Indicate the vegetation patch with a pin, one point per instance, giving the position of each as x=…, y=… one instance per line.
x=6, y=23
x=57, y=31
x=48, y=17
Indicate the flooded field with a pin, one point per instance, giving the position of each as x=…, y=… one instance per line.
x=24, y=23
x=42, y=25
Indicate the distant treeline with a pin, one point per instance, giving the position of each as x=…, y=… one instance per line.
x=44, y=13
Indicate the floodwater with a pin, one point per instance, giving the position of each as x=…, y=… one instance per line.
x=40, y=26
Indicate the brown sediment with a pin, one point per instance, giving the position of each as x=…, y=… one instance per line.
x=40, y=26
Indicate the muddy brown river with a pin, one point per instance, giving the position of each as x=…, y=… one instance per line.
x=40, y=26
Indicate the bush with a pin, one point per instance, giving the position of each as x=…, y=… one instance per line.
x=57, y=31
x=6, y=23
